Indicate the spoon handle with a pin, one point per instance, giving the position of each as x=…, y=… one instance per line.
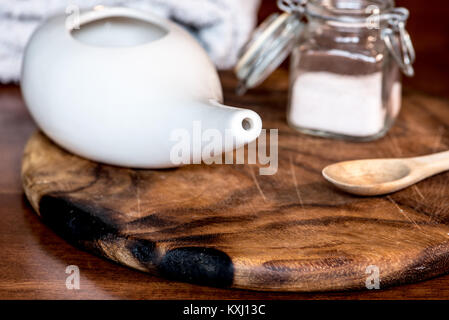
x=434, y=163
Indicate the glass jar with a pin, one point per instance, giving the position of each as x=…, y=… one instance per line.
x=345, y=65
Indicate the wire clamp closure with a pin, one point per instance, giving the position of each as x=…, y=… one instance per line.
x=398, y=40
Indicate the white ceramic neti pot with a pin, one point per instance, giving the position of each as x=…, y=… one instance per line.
x=116, y=89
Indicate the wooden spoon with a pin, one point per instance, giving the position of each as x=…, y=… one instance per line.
x=382, y=176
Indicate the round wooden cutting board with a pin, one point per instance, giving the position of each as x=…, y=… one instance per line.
x=228, y=226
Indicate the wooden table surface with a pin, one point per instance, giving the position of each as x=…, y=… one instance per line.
x=33, y=259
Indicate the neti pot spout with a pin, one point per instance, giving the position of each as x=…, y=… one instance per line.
x=242, y=124
x=214, y=129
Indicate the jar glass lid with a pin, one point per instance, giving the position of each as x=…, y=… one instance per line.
x=269, y=46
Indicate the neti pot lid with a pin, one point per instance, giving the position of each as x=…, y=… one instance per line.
x=273, y=41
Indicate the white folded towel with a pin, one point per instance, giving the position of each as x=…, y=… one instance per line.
x=221, y=26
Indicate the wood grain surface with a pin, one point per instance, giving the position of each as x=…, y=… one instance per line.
x=227, y=226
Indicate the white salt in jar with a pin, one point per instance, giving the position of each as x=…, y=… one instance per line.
x=345, y=67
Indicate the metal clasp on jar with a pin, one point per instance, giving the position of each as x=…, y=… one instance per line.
x=398, y=40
